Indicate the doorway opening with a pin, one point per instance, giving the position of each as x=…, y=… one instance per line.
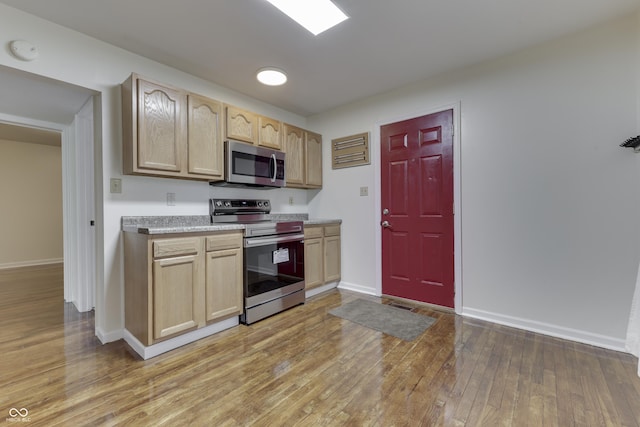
x=38, y=106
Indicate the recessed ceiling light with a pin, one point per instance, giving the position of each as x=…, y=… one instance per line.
x=314, y=15
x=271, y=76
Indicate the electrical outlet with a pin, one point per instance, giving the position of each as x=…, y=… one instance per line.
x=171, y=199
x=115, y=185
x=364, y=191
x=291, y=200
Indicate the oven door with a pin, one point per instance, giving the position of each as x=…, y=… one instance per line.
x=247, y=164
x=273, y=267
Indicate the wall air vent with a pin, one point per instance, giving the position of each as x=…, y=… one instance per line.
x=350, y=151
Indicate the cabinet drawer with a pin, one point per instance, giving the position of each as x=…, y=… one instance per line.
x=224, y=241
x=332, y=230
x=175, y=247
x=313, y=232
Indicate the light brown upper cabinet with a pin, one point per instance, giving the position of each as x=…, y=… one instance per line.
x=154, y=123
x=170, y=133
x=304, y=157
x=269, y=133
x=294, y=161
x=205, y=145
x=313, y=160
x=242, y=125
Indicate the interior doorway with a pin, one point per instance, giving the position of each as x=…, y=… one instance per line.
x=36, y=102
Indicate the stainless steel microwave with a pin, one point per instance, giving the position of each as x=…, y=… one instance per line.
x=248, y=165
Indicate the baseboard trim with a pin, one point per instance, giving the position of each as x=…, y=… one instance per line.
x=357, y=288
x=147, y=352
x=106, y=337
x=548, y=329
x=320, y=289
x=32, y=263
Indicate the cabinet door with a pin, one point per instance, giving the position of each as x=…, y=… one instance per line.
x=242, y=125
x=313, y=160
x=294, y=147
x=269, y=133
x=162, y=123
x=332, y=258
x=204, y=145
x=176, y=282
x=223, y=284
x=313, y=263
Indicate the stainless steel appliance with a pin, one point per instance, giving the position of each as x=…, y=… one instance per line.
x=250, y=166
x=273, y=257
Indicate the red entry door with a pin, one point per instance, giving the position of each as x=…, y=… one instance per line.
x=417, y=203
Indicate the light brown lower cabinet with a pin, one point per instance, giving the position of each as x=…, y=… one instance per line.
x=178, y=284
x=223, y=282
x=321, y=255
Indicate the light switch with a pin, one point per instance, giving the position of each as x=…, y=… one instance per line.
x=171, y=199
x=116, y=185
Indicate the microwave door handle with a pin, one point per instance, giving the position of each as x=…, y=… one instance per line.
x=275, y=167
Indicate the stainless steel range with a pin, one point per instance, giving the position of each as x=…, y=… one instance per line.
x=273, y=257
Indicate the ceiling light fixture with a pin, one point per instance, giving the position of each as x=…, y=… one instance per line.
x=314, y=15
x=271, y=76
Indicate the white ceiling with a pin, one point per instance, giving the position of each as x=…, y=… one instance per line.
x=27, y=95
x=385, y=44
x=40, y=98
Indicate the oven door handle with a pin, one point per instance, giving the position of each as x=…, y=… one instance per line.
x=253, y=242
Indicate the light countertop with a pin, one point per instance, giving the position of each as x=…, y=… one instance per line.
x=201, y=223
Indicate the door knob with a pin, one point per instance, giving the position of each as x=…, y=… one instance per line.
x=385, y=211
x=385, y=224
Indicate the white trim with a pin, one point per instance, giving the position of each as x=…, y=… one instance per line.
x=106, y=337
x=357, y=288
x=84, y=208
x=577, y=335
x=147, y=352
x=32, y=123
x=31, y=263
x=69, y=215
x=457, y=192
x=320, y=289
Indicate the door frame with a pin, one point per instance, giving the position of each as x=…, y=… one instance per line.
x=457, y=190
x=77, y=289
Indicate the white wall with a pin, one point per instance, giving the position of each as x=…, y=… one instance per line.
x=548, y=199
x=71, y=57
x=31, y=207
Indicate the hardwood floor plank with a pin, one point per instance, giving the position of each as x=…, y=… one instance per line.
x=302, y=367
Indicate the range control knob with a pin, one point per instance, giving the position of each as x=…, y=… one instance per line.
x=260, y=204
x=218, y=204
x=266, y=203
x=227, y=204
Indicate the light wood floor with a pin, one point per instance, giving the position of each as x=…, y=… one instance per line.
x=302, y=367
